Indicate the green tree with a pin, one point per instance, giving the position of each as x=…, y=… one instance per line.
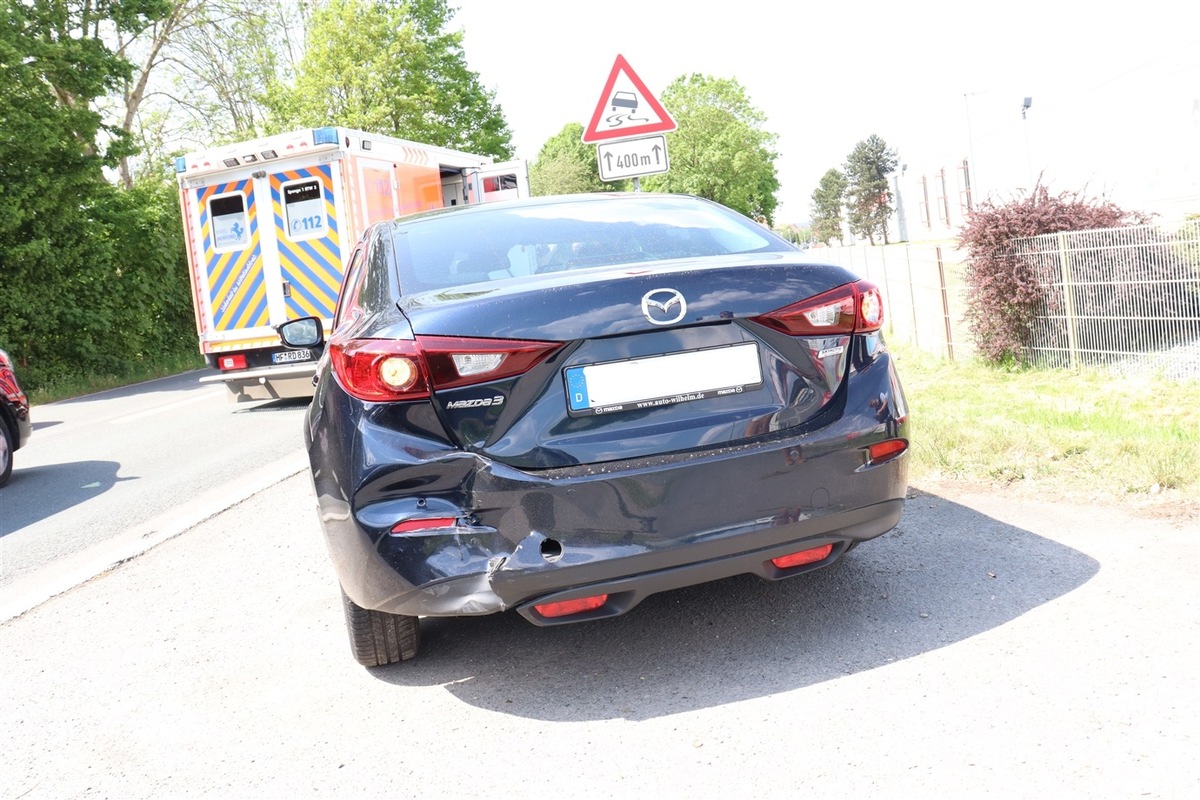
x=226, y=61
x=868, y=198
x=721, y=149
x=796, y=234
x=390, y=66
x=828, y=200
x=565, y=165
x=66, y=300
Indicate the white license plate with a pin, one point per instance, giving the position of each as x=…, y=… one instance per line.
x=642, y=383
x=288, y=356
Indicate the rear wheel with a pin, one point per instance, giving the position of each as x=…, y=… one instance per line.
x=377, y=638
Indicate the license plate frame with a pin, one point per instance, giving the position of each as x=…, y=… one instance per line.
x=666, y=379
x=291, y=356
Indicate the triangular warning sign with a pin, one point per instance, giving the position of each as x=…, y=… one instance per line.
x=626, y=108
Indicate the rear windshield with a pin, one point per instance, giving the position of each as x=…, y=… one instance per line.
x=497, y=243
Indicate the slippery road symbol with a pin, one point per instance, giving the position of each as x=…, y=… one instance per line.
x=626, y=100
x=625, y=109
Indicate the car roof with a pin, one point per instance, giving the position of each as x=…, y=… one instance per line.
x=556, y=200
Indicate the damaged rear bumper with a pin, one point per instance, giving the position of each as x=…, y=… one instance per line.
x=628, y=531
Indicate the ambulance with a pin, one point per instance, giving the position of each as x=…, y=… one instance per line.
x=270, y=223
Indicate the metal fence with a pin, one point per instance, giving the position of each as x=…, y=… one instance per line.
x=1126, y=299
x=1122, y=298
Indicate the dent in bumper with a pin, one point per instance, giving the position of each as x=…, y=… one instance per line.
x=634, y=527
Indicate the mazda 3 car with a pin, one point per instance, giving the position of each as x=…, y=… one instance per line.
x=560, y=406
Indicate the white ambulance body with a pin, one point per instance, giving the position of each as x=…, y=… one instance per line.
x=270, y=223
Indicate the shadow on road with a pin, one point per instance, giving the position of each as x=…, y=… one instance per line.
x=69, y=484
x=266, y=407
x=946, y=573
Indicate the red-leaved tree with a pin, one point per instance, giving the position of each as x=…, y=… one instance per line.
x=1003, y=293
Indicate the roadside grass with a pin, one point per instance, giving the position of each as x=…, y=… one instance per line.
x=66, y=386
x=1063, y=433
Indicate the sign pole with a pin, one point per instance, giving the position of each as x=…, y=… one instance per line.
x=637, y=184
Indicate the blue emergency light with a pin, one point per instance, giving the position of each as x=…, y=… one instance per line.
x=325, y=136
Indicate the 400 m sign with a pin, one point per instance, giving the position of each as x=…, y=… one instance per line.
x=632, y=158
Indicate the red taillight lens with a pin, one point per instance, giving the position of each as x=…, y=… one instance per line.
x=885, y=451
x=565, y=608
x=810, y=556
x=225, y=363
x=385, y=370
x=455, y=361
x=852, y=308
x=379, y=370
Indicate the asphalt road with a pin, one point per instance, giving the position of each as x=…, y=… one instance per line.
x=103, y=466
x=986, y=648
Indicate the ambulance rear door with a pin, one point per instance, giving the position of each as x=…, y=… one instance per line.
x=505, y=181
x=231, y=286
x=307, y=211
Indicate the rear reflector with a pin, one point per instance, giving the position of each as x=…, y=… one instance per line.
x=226, y=363
x=564, y=608
x=886, y=451
x=803, y=557
x=414, y=525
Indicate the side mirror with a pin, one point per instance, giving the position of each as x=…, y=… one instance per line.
x=303, y=332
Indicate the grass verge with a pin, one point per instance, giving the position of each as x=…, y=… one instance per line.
x=1062, y=433
x=63, y=387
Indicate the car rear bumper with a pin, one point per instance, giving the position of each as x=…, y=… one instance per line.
x=626, y=529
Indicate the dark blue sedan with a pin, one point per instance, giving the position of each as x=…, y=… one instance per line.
x=563, y=405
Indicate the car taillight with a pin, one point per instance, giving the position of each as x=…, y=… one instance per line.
x=852, y=308
x=379, y=370
x=455, y=361
x=387, y=370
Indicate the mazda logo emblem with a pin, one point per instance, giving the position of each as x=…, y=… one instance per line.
x=657, y=306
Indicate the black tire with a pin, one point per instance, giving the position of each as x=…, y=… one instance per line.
x=7, y=446
x=377, y=638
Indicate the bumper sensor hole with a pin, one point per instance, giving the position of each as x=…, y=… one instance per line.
x=551, y=550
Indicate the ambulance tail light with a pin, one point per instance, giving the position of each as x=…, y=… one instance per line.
x=227, y=363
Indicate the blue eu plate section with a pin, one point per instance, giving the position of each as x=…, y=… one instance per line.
x=577, y=393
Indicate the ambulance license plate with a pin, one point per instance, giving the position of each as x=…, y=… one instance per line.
x=288, y=356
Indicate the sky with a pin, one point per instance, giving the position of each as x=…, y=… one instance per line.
x=1115, y=109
